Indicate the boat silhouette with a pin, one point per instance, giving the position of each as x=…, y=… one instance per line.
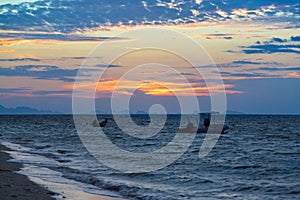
x=210, y=125
x=101, y=124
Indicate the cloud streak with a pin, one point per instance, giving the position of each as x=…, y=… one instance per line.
x=271, y=48
x=43, y=72
x=275, y=45
x=15, y=90
x=19, y=59
x=9, y=38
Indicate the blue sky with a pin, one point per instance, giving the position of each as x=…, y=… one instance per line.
x=254, y=44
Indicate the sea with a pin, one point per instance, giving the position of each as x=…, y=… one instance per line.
x=259, y=158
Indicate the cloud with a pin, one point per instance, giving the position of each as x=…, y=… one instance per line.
x=19, y=59
x=248, y=62
x=41, y=72
x=25, y=91
x=274, y=45
x=11, y=38
x=52, y=92
x=243, y=75
x=228, y=38
x=279, y=69
x=224, y=36
x=187, y=74
x=278, y=40
x=108, y=66
x=15, y=90
x=3, y=2
x=8, y=42
x=245, y=62
x=74, y=15
x=73, y=58
x=262, y=72
x=271, y=48
x=295, y=38
x=293, y=75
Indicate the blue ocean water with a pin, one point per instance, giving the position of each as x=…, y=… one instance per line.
x=259, y=158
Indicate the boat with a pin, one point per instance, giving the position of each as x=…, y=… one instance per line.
x=101, y=124
x=188, y=129
x=210, y=125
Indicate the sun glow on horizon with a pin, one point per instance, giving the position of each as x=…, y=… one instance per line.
x=151, y=87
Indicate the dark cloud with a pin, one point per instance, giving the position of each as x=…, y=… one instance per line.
x=19, y=59
x=241, y=63
x=52, y=92
x=274, y=45
x=271, y=48
x=73, y=58
x=280, y=69
x=245, y=62
x=25, y=90
x=259, y=72
x=219, y=35
x=295, y=38
x=248, y=62
x=41, y=72
x=228, y=38
x=188, y=74
x=109, y=66
x=278, y=40
x=247, y=75
x=21, y=90
x=57, y=36
x=231, y=51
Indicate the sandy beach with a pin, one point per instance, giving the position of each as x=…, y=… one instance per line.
x=17, y=186
x=14, y=185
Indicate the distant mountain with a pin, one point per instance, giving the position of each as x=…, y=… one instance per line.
x=23, y=110
x=140, y=112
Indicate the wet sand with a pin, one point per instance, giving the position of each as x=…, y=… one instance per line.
x=17, y=186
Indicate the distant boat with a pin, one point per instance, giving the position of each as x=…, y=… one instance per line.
x=104, y=122
x=208, y=126
x=101, y=124
x=188, y=129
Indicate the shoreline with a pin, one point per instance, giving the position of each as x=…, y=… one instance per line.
x=14, y=185
x=18, y=186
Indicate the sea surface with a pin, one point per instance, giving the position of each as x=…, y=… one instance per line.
x=259, y=158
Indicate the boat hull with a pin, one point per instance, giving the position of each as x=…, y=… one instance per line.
x=213, y=129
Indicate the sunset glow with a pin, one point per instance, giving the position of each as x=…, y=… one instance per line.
x=247, y=44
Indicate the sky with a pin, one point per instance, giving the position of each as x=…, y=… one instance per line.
x=254, y=45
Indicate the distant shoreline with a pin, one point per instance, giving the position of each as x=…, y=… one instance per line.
x=68, y=114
